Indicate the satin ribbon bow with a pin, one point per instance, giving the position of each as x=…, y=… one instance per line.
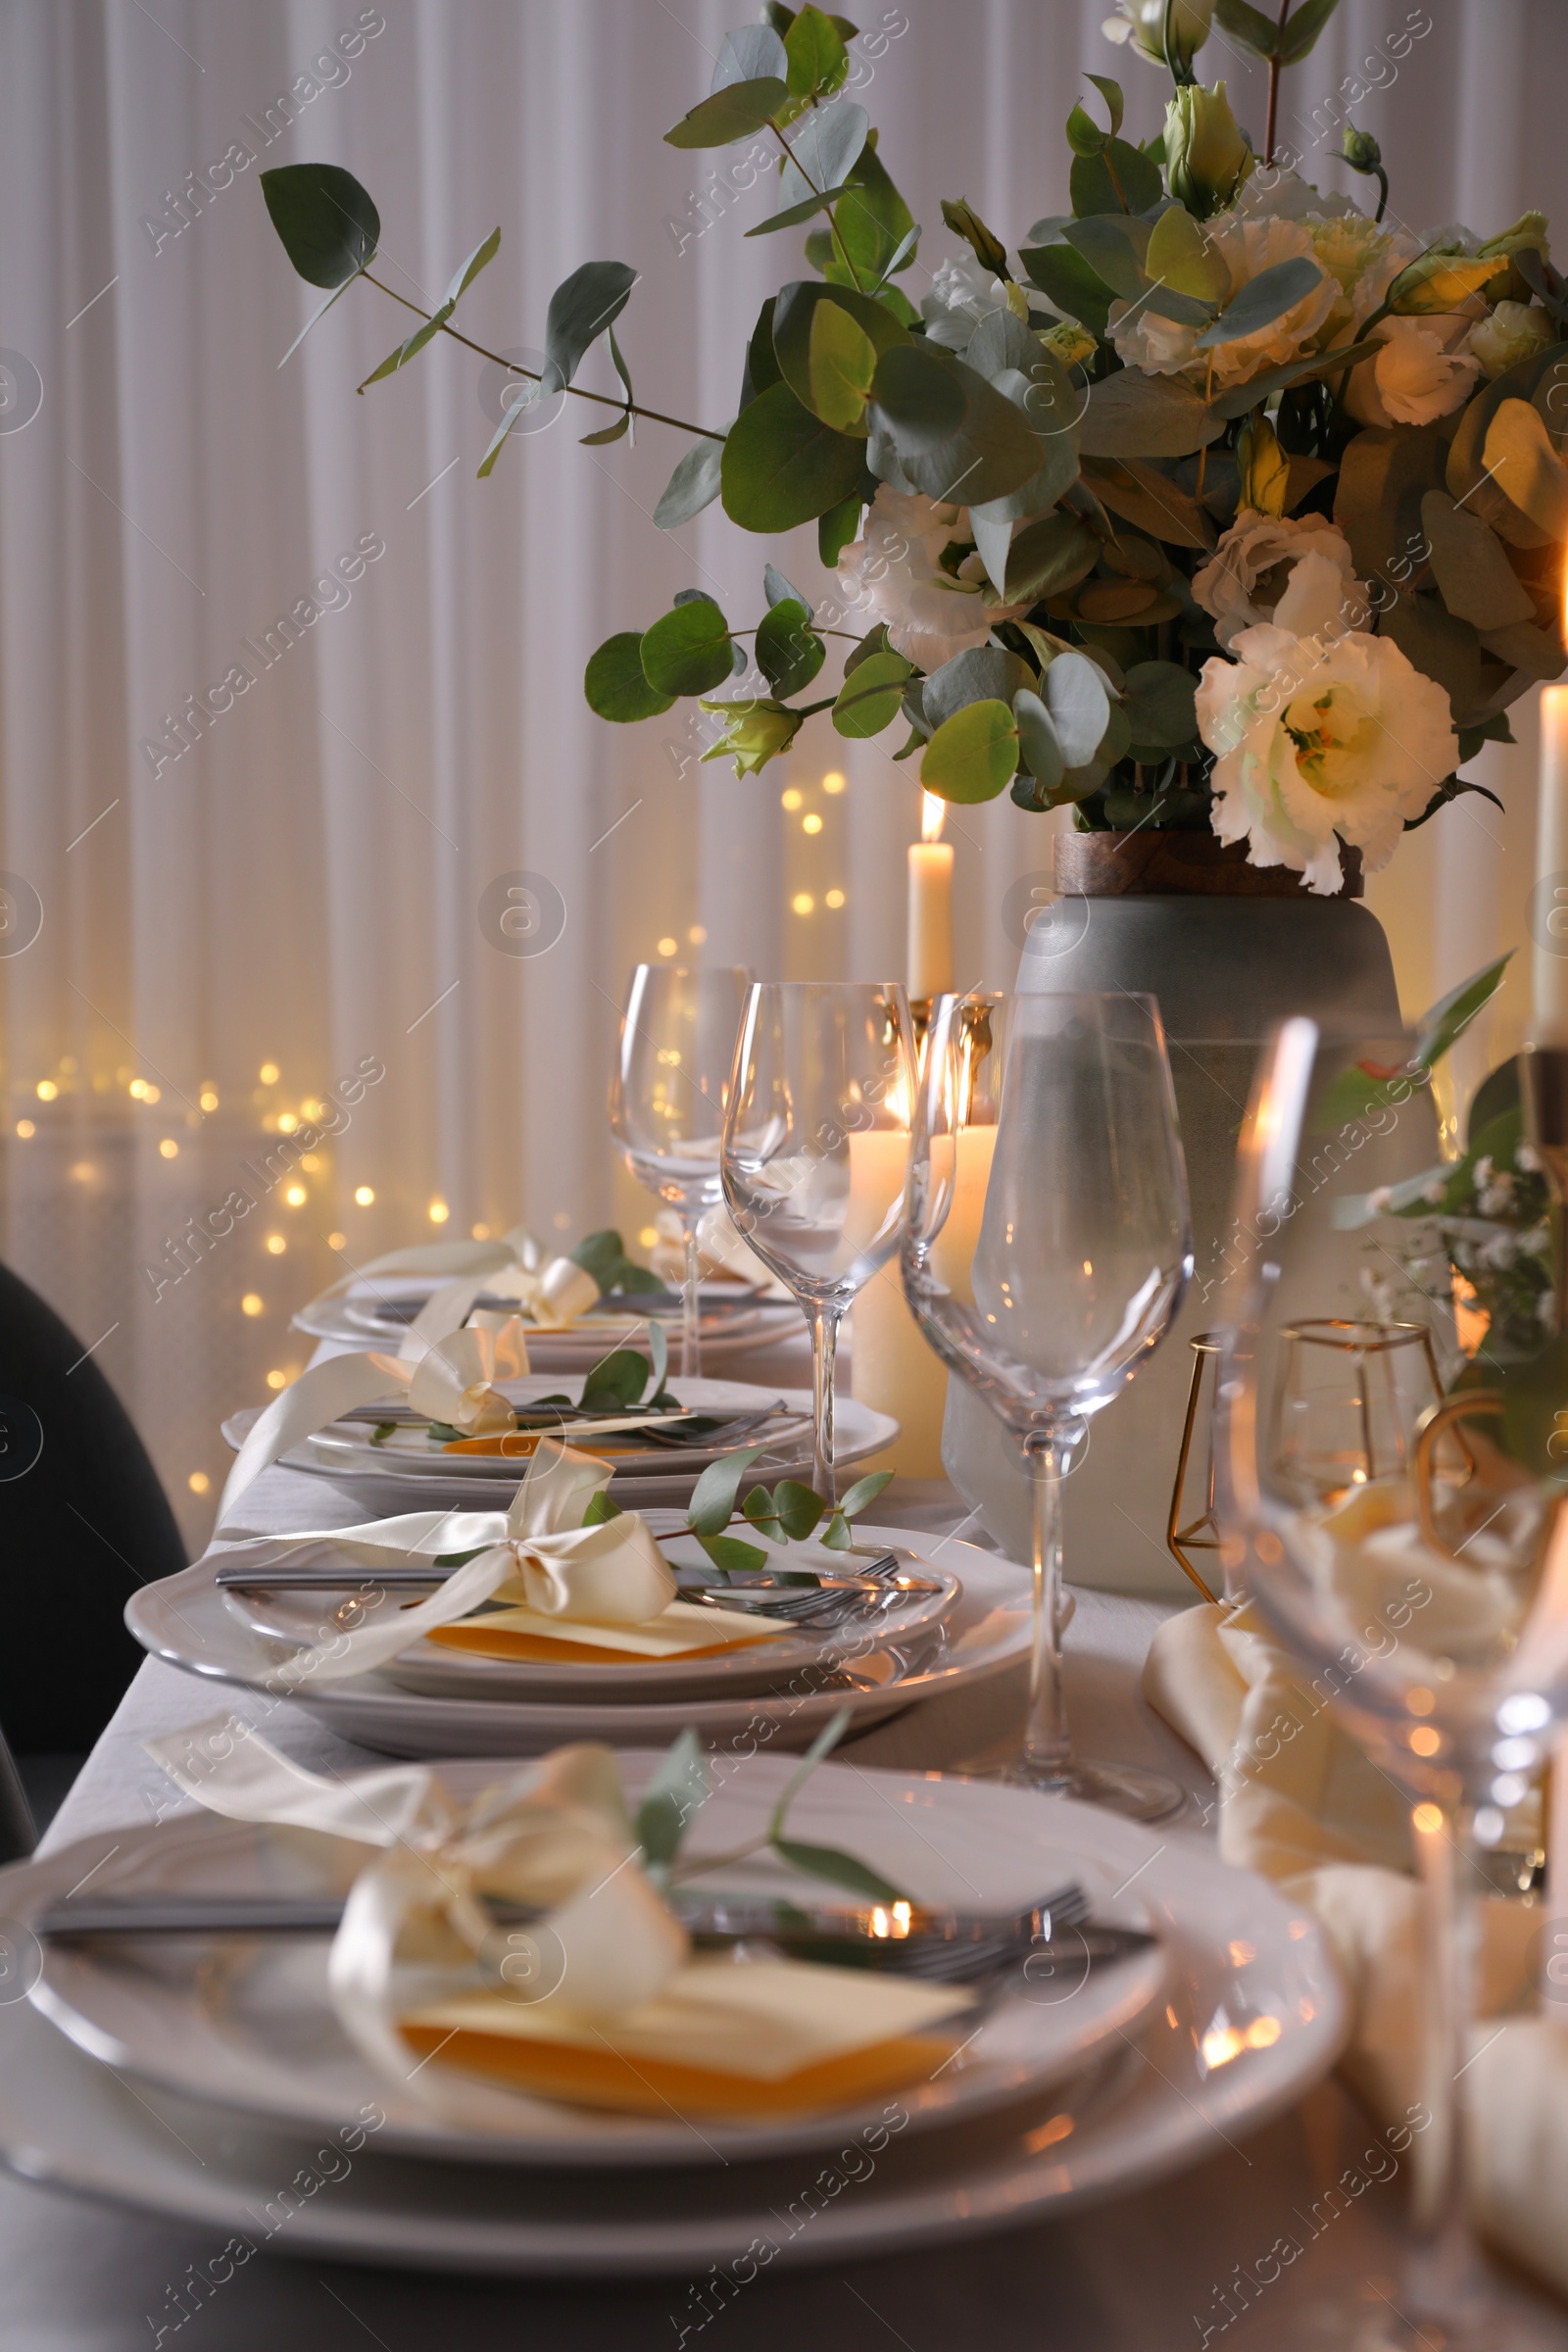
x=449, y=1380
x=555, y=1834
x=537, y=1555
x=551, y=1292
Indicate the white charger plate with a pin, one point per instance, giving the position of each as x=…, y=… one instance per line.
x=186, y=1619
x=394, y=1477
x=734, y=1320
x=247, y=2024
x=1239, y=1953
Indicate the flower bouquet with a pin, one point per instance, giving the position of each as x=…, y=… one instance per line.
x=1219, y=502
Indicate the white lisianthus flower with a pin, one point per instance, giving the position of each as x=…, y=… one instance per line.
x=1362, y=258
x=1421, y=372
x=1255, y=564
x=1286, y=196
x=1317, y=738
x=961, y=294
x=1143, y=23
x=1248, y=244
x=1512, y=332
x=895, y=575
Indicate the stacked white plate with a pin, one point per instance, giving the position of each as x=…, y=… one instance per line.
x=433, y=1700
x=406, y=1472
x=189, y=2078
x=734, y=1319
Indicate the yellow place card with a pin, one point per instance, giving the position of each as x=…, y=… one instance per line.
x=755, y=2039
x=681, y=1631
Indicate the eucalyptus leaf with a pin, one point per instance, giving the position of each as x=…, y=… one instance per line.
x=693, y=485
x=600, y=1511
x=824, y=147
x=1478, y=583
x=616, y=683
x=1159, y=706
x=981, y=674
x=733, y=1556
x=580, y=309
x=675, y=1795
x=797, y=213
x=782, y=465
x=731, y=113
x=713, y=1503
x=1070, y=282
x=870, y=696
x=864, y=1492
x=817, y=58
x=408, y=349
x=789, y=651
x=780, y=591
x=795, y=311
x=1038, y=739
x=482, y=255
x=839, y=1869
x=1258, y=389
x=327, y=224
x=1120, y=178
x=1135, y=416
x=1111, y=93
x=1249, y=26
x=1183, y=255
x=993, y=539
x=607, y=432
x=972, y=756
x=1301, y=28
x=1002, y=340
x=798, y=1508
x=1049, y=556
x=1262, y=300
x=841, y=363
x=1075, y=693
x=836, y=527
x=1137, y=492
x=983, y=452
x=753, y=53
x=1113, y=245
x=688, y=652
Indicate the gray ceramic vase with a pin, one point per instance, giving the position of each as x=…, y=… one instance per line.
x=1228, y=949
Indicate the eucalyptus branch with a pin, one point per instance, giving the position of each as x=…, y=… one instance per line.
x=1274, y=86
x=844, y=251
x=602, y=399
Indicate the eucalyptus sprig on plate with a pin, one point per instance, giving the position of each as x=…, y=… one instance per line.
x=790, y=1514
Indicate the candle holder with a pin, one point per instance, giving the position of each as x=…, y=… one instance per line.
x=1199, y=1533
x=1543, y=1100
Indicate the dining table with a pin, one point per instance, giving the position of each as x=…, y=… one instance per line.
x=1142, y=2270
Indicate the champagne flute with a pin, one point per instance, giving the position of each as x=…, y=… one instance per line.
x=1046, y=1253
x=667, y=1100
x=1429, y=1599
x=815, y=1144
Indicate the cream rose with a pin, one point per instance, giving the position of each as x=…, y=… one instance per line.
x=1321, y=737
x=1421, y=372
x=1256, y=566
x=895, y=575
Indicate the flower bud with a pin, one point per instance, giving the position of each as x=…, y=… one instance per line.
x=1074, y=344
x=1440, y=281
x=1514, y=331
x=1207, y=155
x=1529, y=230
x=1264, y=466
x=1360, y=149
x=1143, y=23
x=754, y=732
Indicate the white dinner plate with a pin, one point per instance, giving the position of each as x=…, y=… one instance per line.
x=186, y=1619
x=247, y=2024
x=734, y=1319
x=293, y=1616
x=401, y=1475
x=1242, y=1958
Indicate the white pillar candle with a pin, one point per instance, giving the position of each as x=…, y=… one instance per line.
x=1549, y=959
x=930, y=936
x=891, y=1369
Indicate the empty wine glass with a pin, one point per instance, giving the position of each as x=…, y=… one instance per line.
x=815, y=1144
x=1429, y=1599
x=1046, y=1253
x=666, y=1099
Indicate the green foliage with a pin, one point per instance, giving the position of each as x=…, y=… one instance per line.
x=789, y=652
x=580, y=309
x=818, y=60
x=616, y=683
x=328, y=225
x=688, y=652
x=693, y=485
x=673, y=1798
x=840, y=366
x=730, y=113
x=973, y=754
x=783, y=466
x=869, y=698
x=603, y=1254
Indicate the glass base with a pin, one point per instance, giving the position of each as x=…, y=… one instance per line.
x=1377, y=2317
x=1123, y=1787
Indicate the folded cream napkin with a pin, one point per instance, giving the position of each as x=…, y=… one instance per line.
x=552, y=1292
x=606, y=1588
x=1300, y=1802
x=600, y=2001
x=449, y=1378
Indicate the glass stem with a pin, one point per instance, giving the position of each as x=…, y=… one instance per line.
x=1045, y=1739
x=1445, y=2267
x=824, y=1322
x=691, y=1337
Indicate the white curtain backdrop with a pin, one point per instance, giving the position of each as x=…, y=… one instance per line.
x=302, y=886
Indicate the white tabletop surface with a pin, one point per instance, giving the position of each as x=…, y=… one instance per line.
x=1141, y=2273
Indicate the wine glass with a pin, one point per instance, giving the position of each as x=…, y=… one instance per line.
x=815, y=1144
x=1046, y=1253
x=1429, y=1599
x=666, y=1099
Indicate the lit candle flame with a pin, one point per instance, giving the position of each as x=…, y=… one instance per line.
x=933, y=811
